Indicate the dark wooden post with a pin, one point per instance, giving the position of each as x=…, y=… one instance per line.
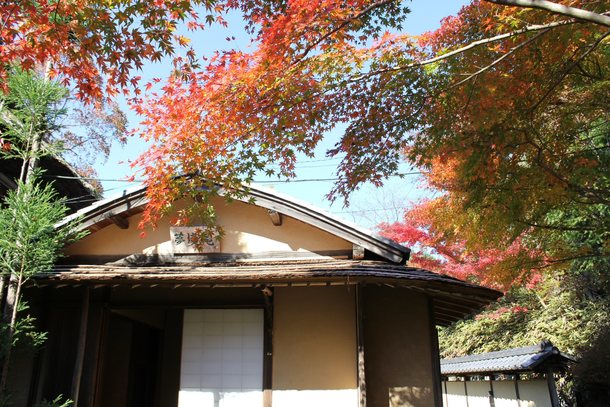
x=492, y=397
x=360, y=346
x=268, y=347
x=550, y=380
x=466, y=391
x=80, y=350
x=436, y=359
x=517, y=394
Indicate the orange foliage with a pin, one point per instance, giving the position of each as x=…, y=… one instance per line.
x=94, y=45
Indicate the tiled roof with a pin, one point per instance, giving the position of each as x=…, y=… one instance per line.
x=529, y=358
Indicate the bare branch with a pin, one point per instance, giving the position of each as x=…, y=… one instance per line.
x=572, y=12
x=551, y=262
x=554, y=227
x=474, y=44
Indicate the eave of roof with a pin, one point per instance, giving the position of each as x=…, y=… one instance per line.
x=452, y=299
x=78, y=192
x=515, y=360
x=130, y=202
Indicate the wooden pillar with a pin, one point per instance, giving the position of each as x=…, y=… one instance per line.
x=466, y=391
x=550, y=380
x=436, y=360
x=80, y=350
x=492, y=397
x=517, y=394
x=96, y=328
x=169, y=377
x=360, y=347
x=268, y=348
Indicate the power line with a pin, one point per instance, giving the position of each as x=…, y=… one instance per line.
x=285, y=181
x=93, y=178
x=372, y=210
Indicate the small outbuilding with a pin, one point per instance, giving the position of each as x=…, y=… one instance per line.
x=517, y=377
x=290, y=307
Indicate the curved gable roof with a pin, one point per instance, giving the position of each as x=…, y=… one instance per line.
x=100, y=214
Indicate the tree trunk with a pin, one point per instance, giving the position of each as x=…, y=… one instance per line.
x=3, y=281
x=9, y=318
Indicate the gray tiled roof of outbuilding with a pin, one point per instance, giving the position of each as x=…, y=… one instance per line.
x=528, y=358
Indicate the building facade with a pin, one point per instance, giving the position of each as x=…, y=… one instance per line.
x=289, y=307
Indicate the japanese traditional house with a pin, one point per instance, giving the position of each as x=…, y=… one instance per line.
x=291, y=307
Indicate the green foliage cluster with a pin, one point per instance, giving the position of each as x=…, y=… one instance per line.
x=31, y=110
x=39, y=117
x=524, y=318
x=59, y=401
x=570, y=307
x=26, y=336
x=30, y=242
x=29, y=245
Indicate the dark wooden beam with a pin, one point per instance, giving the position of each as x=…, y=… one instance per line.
x=7, y=182
x=120, y=221
x=276, y=217
x=357, y=252
x=441, y=303
x=448, y=313
x=550, y=380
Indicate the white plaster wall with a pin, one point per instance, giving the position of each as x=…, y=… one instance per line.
x=315, y=398
x=532, y=393
x=505, y=394
x=454, y=395
x=478, y=394
x=535, y=393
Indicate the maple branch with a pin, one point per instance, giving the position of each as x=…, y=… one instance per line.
x=8, y=17
x=472, y=45
x=555, y=8
x=341, y=26
x=498, y=60
x=554, y=227
x=550, y=262
x=592, y=194
x=569, y=69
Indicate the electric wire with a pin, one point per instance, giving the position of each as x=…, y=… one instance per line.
x=296, y=180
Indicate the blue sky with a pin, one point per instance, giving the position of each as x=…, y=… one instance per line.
x=368, y=206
